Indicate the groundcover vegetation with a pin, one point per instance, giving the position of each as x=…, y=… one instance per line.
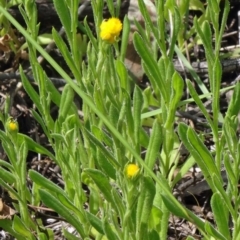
x=117, y=145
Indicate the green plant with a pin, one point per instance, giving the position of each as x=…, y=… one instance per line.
x=96, y=150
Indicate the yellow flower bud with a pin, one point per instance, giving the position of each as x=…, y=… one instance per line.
x=12, y=125
x=110, y=30
x=132, y=170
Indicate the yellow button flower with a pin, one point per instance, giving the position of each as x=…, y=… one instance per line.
x=132, y=170
x=110, y=30
x=12, y=125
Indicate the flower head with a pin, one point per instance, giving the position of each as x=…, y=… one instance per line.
x=12, y=125
x=132, y=170
x=110, y=29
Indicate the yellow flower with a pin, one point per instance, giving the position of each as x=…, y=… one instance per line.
x=12, y=125
x=132, y=170
x=110, y=29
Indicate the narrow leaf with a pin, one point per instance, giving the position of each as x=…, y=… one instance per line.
x=20, y=228
x=6, y=224
x=103, y=184
x=144, y=207
x=137, y=107
x=199, y=151
x=50, y=201
x=150, y=64
x=154, y=144
x=64, y=15
x=30, y=90
x=45, y=183
x=176, y=95
x=108, y=230
x=221, y=215
x=224, y=196
x=213, y=233
x=35, y=147
x=66, y=102
x=95, y=222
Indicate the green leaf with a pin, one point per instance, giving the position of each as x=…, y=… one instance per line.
x=39, y=119
x=224, y=19
x=234, y=105
x=150, y=64
x=113, y=115
x=117, y=198
x=190, y=238
x=143, y=138
x=30, y=90
x=6, y=224
x=198, y=147
x=206, y=37
x=124, y=41
x=149, y=99
x=149, y=25
x=126, y=111
x=141, y=30
x=102, y=136
x=94, y=196
x=7, y=146
x=108, y=230
x=22, y=161
x=229, y=132
x=68, y=235
x=176, y=94
x=95, y=222
x=212, y=232
x=175, y=207
x=103, y=184
x=105, y=165
x=153, y=148
x=10, y=190
x=221, y=215
x=123, y=75
x=189, y=67
x=198, y=101
x=66, y=102
x=66, y=53
x=43, y=236
x=196, y=5
x=93, y=40
x=176, y=27
x=98, y=99
x=64, y=15
x=35, y=147
x=156, y=216
x=215, y=83
x=183, y=170
x=137, y=107
x=153, y=235
x=69, y=204
x=45, y=183
x=20, y=228
x=6, y=165
x=144, y=207
x=99, y=144
x=225, y=198
x=52, y=202
x=7, y=176
x=54, y=93
x=229, y=169
x=199, y=151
